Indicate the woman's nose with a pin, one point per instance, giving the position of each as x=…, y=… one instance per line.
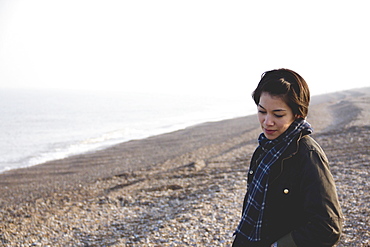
x=269, y=121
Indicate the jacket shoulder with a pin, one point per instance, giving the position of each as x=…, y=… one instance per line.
x=309, y=152
x=307, y=143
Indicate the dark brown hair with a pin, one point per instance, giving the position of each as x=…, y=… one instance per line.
x=288, y=85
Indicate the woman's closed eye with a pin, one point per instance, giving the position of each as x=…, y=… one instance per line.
x=276, y=115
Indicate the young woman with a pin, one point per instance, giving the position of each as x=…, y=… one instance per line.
x=291, y=198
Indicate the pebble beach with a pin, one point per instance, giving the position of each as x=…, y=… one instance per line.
x=183, y=188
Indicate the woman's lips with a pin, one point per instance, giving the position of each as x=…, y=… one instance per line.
x=270, y=132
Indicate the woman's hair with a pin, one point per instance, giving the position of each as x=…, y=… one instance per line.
x=288, y=85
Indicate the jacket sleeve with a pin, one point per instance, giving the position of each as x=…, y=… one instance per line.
x=321, y=206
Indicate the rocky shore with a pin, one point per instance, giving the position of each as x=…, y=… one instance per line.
x=179, y=189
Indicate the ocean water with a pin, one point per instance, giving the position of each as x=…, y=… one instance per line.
x=42, y=125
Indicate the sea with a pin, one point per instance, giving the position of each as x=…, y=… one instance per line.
x=37, y=125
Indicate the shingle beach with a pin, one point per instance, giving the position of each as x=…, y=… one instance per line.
x=183, y=188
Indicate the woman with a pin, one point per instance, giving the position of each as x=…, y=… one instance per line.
x=291, y=198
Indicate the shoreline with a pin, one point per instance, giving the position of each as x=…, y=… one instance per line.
x=182, y=188
x=107, y=146
x=36, y=132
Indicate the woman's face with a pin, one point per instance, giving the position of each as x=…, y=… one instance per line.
x=274, y=114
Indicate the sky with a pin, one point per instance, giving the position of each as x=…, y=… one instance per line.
x=182, y=47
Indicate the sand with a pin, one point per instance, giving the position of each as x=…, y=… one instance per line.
x=183, y=188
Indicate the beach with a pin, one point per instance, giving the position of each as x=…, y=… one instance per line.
x=183, y=188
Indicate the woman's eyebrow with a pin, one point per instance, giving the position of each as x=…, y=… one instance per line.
x=261, y=106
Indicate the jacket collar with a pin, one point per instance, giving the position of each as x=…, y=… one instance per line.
x=290, y=152
x=293, y=147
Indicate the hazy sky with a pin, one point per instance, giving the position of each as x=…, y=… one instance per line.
x=204, y=47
